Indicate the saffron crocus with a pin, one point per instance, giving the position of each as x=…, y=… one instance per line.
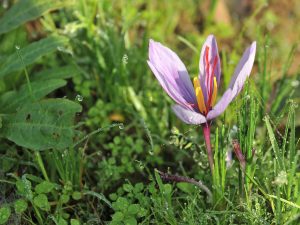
x=196, y=101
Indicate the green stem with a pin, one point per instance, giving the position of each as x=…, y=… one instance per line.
x=7, y=181
x=26, y=73
x=206, y=133
x=39, y=217
x=41, y=164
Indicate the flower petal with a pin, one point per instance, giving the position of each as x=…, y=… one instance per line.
x=167, y=67
x=188, y=116
x=241, y=73
x=243, y=69
x=169, y=88
x=213, y=60
x=220, y=107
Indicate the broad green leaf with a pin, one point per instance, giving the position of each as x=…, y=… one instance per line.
x=44, y=187
x=56, y=73
x=41, y=201
x=10, y=40
x=27, y=10
x=4, y=214
x=138, y=187
x=47, y=124
x=31, y=53
x=20, y=205
x=186, y=187
x=11, y=100
x=167, y=189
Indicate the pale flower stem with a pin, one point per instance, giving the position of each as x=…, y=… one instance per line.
x=206, y=133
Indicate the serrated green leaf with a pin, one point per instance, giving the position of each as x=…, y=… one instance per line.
x=24, y=188
x=142, y=212
x=20, y=206
x=13, y=99
x=41, y=201
x=27, y=10
x=121, y=204
x=127, y=187
x=31, y=53
x=113, y=196
x=4, y=214
x=47, y=124
x=44, y=187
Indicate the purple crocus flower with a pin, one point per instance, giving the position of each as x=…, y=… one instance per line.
x=196, y=101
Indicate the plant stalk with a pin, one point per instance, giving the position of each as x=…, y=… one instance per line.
x=176, y=178
x=41, y=165
x=26, y=74
x=206, y=133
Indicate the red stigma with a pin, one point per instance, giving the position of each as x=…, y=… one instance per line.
x=207, y=64
x=212, y=80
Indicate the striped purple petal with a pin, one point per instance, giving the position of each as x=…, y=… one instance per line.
x=209, y=64
x=171, y=74
x=241, y=73
x=188, y=116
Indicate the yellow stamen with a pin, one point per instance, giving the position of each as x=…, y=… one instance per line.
x=215, y=91
x=199, y=95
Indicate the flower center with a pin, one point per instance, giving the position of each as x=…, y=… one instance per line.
x=206, y=104
x=203, y=106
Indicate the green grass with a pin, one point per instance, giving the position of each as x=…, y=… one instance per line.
x=85, y=127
